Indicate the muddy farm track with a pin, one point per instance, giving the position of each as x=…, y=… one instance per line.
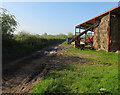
x=21, y=75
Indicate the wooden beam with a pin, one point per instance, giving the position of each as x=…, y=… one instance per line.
x=84, y=32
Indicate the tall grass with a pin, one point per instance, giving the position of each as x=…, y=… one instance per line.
x=24, y=43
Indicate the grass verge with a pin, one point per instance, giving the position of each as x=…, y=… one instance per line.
x=97, y=57
x=86, y=78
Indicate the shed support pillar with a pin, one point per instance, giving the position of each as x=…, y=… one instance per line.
x=108, y=47
x=79, y=37
x=75, y=40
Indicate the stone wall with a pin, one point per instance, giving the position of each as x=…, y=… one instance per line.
x=101, y=34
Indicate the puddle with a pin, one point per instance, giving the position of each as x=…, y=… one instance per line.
x=46, y=52
x=60, y=45
x=38, y=51
x=53, y=52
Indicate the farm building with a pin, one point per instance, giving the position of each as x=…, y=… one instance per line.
x=105, y=29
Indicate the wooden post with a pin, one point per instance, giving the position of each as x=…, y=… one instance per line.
x=75, y=31
x=94, y=31
x=79, y=33
x=85, y=35
x=75, y=40
x=79, y=29
x=94, y=26
x=108, y=49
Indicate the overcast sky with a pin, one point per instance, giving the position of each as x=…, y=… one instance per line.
x=54, y=18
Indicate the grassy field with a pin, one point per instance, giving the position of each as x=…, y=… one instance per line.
x=98, y=74
x=98, y=57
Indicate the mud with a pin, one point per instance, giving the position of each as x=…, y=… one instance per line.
x=20, y=76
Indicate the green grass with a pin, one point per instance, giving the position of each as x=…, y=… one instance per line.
x=86, y=78
x=64, y=43
x=82, y=79
x=98, y=57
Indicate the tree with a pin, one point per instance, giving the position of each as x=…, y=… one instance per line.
x=61, y=36
x=8, y=27
x=70, y=35
x=45, y=34
x=23, y=34
x=8, y=23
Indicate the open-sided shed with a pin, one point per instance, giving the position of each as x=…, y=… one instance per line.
x=107, y=33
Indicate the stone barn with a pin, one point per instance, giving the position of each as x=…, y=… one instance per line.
x=106, y=33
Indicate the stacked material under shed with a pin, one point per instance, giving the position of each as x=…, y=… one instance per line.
x=115, y=33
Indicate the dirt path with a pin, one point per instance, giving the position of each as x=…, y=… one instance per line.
x=22, y=75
